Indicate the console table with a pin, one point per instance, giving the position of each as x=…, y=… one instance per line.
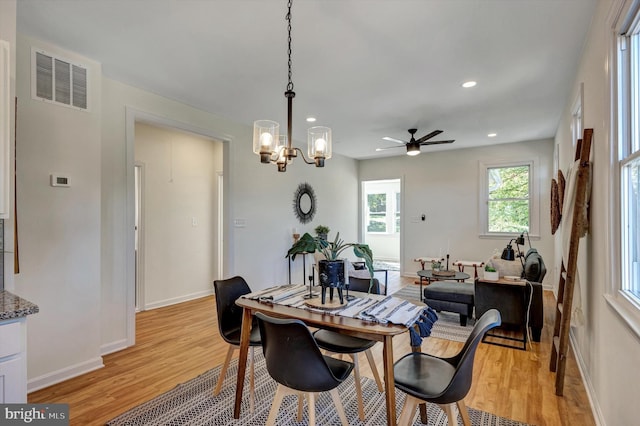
x=511, y=298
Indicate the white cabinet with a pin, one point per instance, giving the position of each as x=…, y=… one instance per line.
x=13, y=361
x=5, y=127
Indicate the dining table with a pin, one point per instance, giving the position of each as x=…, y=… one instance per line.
x=347, y=325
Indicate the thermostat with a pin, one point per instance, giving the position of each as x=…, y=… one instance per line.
x=58, y=180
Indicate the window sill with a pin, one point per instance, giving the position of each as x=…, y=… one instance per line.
x=626, y=310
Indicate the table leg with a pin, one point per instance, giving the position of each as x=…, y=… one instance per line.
x=242, y=359
x=389, y=383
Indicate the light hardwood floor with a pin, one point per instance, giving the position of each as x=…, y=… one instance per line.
x=177, y=343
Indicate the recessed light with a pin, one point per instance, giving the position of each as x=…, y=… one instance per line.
x=311, y=119
x=492, y=135
x=468, y=84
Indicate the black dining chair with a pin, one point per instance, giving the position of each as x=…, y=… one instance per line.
x=294, y=361
x=230, y=323
x=339, y=343
x=443, y=381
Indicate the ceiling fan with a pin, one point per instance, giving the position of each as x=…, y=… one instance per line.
x=413, y=146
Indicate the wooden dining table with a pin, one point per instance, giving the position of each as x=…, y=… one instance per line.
x=351, y=326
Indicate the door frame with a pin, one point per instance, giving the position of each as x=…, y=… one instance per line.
x=133, y=115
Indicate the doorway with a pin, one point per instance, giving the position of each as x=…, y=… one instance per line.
x=381, y=219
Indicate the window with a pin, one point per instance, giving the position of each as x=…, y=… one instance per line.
x=628, y=173
x=624, y=288
x=382, y=211
x=377, y=204
x=508, y=199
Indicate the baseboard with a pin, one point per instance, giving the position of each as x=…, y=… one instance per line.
x=586, y=379
x=180, y=299
x=66, y=373
x=113, y=347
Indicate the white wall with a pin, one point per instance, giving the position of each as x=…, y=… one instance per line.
x=444, y=186
x=606, y=348
x=8, y=33
x=179, y=213
x=59, y=228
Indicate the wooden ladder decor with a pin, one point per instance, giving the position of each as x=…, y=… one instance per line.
x=566, y=282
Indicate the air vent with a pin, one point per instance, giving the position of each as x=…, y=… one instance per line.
x=58, y=80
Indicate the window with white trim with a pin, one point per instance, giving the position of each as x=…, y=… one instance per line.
x=382, y=207
x=627, y=175
x=508, y=199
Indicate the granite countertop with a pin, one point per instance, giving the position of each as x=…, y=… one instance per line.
x=12, y=306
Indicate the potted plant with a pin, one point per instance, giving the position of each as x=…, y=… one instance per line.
x=490, y=273
x=322, y=231
x=331, y=270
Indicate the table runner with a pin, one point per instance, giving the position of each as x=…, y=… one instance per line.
x=417, y=319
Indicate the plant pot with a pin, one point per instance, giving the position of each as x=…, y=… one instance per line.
x=491, y=276
x=331, y=273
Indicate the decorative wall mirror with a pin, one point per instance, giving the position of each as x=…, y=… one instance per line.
x=304, y=203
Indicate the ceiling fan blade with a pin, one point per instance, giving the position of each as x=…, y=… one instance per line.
x=436, y=142
x=429, y=136
x=390, y=139
x=389, y=147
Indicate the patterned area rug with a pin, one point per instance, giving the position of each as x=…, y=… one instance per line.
x=193, y=403
x=448, y=324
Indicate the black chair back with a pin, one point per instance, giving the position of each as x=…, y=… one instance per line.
x=292, y=356
x=229, y=314
x=463, y=361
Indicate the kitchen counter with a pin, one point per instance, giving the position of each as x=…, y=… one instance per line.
x=12, y=306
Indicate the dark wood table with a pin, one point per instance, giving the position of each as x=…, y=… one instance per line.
x=427, y=274
x=351, y=326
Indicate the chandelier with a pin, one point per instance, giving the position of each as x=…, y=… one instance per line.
x=274, y=148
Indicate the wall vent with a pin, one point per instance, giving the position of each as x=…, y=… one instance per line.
x=57, y=80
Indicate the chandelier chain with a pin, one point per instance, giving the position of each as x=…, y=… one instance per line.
x=288, y=17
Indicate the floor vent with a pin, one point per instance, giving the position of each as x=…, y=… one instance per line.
x=58, y=80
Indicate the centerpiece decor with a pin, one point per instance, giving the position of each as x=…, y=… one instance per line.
x=331, y=268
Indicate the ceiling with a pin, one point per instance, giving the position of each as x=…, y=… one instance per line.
x=365, y=68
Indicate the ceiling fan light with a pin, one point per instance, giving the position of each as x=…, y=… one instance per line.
x=413, y=149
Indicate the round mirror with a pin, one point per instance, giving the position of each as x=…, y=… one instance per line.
x=304, y=203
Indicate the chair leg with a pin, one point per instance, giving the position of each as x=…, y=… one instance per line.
x=451, y=414
x=223, y=371
x=358, y=383
x=339, y=408
x=300, y=406
x=252, y=391
x=374, y=369
x=281, y=391
x=312, y=408
x=408, y=413
x=464, y=413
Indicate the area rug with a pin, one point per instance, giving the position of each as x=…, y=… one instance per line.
x=448, y=324
x=192, y=403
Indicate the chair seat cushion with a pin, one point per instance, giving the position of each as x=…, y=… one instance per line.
x=340, y=369
x=233, y=336
x=423, y=376
x=451, y=291
x=341, y=343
